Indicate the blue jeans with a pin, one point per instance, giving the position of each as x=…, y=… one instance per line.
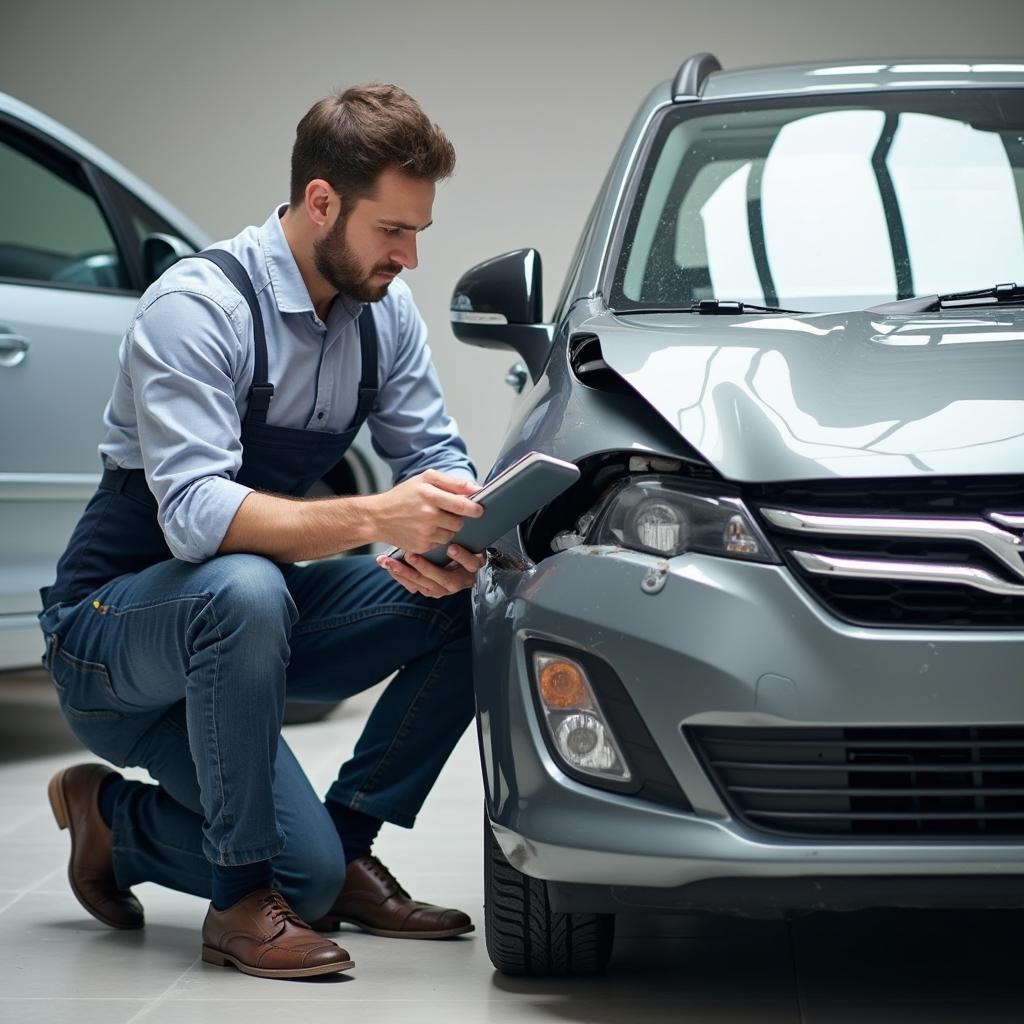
x=184, y=670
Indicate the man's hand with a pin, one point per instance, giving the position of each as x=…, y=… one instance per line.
x=417, y=515
x=424, y=511
x=419, y=576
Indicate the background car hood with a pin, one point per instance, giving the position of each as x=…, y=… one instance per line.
x=779, y=397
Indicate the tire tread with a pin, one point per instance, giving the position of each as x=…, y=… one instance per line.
x=525, y=936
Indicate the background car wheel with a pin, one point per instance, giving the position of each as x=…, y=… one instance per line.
x=350, y=476
x=525, y=936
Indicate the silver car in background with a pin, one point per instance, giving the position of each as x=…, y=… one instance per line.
x=80, y=240
x=767, y=655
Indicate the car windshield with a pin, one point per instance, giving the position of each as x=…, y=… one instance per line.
x=827, y=205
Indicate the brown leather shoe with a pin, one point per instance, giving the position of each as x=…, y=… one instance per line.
x=74, y=797
x=373, y=900
x=261, y=935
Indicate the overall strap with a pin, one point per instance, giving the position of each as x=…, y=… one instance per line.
x=261, y=391
x=368, y=376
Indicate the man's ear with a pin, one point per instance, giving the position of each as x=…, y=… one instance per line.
x=320, y=198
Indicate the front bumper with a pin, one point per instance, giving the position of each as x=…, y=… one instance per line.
x=728, y=644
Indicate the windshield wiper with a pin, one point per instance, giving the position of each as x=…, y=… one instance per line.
x=713, y=307
x=998, y=295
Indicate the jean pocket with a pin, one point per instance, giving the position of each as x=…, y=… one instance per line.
x=106, y=733
x=83, y=686
x=92, y=710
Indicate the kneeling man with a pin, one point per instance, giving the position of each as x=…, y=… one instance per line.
x=183, y=615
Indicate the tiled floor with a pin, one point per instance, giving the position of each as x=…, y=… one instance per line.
x=58, y=965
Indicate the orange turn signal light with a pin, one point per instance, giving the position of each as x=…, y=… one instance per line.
x=562, y=685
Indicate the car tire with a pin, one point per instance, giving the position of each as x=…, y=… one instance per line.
x=525, y=936
x=350, y=476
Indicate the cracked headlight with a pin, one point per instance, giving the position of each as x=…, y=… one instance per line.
x=661, y=517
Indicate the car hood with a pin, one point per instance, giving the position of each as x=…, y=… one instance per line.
x=779, y=397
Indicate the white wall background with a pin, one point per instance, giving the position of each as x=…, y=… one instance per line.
x=201, y=99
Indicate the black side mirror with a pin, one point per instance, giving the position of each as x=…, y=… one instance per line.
x=160, y=251
x=498, y=304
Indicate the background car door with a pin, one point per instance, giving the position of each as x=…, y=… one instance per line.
x=66, y=296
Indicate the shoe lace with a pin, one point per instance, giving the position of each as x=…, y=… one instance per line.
x=278, y=910
x=378, y=870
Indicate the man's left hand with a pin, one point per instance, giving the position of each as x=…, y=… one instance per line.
x=420, y=576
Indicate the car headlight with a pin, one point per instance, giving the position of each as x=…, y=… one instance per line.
x=661, y=517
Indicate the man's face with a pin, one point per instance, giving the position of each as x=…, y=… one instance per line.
x=362, y=254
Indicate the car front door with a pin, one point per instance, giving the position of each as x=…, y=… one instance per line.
x=66, y=296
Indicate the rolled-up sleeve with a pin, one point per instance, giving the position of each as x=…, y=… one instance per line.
x=184, y=357
x=410, y=427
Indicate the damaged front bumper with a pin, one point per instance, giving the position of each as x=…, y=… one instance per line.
x=699, y=641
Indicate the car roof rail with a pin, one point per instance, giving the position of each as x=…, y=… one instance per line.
x=692, y=75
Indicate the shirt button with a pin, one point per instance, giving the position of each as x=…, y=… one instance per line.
x=319, y=415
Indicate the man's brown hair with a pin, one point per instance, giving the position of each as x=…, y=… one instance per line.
x=349, y=138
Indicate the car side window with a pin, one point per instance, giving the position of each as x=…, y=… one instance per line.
x=141, y=219
x=145, y=228
x=52, y=230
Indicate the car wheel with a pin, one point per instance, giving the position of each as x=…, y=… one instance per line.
x=350, y=476
x=525, y=936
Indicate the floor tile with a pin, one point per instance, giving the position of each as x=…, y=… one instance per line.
x=652, y=981
x=70, y=1011
x=29, y=866
x=826, y=969
x=51, y=948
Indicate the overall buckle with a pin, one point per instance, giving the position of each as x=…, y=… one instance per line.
x=260, y=396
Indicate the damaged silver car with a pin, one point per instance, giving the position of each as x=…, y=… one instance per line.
x=765, y=656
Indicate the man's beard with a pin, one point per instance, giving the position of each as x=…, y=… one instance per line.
x=339, y=266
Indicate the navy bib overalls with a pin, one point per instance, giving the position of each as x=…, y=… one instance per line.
x=119, y=532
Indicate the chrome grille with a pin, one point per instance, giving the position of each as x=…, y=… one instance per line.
x=831, y=783
x=934, y=552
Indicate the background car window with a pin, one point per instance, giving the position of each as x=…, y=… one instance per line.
x=142, y=223
x=51, y=227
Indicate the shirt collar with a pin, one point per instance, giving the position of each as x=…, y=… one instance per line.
x=289, y=289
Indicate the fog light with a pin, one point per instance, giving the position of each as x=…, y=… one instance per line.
x=583, y=742
x=582, y=738
x=562, y=685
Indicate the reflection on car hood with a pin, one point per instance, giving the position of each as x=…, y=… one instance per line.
x=779, y=397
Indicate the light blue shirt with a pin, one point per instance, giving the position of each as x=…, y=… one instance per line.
x=186, y=364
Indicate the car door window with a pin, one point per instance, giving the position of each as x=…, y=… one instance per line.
x=142, y=223
x=52, y=230
x=141, y=219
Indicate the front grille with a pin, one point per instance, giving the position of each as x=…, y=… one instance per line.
x=904, y=603
x=834, y=783
x=909, y=603
x=935, y=496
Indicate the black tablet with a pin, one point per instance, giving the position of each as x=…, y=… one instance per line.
x=508, y=499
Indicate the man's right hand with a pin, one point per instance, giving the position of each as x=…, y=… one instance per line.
x=424, y=511
x=417, y=515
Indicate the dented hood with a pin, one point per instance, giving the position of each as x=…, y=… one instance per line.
x=779, y=397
